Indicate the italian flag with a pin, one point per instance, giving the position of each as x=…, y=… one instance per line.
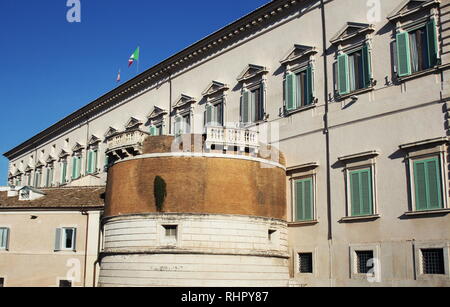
x=134, y=57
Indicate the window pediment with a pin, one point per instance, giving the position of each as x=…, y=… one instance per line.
x=351, y=30
x=157, y=112
x=18, y=173
x=251, y=71
x=93, y=140
x=133, y=123
x=215, y=87
x=39, y=164
x=77, y=147
x=409, y=7
x=184, y=101
x=28, y=169
x=63, y=154
x=298, y=52
x=111, y=131
x=50, y=159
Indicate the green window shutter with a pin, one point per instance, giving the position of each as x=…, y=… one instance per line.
x=343, y=74
x=309, y=85
x=208, y=114
x=290, y=92
x=403, y=54
x=74, y=167
x=94, y=161
x=245, y=106
x=367, y=67
x=361, y=192
x=178, y=125
x=90, y=171
x=4, y=238
x=427, y=181
x=153, y=131
x=58, y=239
x=304, y=197
x=420, y=185
x=74, y=242
x=64, y=172
x=433, y=47
x=434, y=184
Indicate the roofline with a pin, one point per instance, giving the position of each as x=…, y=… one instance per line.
x=154, y=73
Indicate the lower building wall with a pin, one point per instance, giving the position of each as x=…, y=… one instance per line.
x=209, y=250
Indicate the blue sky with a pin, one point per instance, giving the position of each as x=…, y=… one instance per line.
x=49, y=68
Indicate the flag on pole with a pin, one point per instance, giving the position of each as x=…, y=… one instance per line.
x=134, y=57
x=118, y=76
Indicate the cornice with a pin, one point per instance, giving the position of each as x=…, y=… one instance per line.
x=197, y=51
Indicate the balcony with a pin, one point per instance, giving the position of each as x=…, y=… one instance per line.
x=125, y=144
x=230, y=139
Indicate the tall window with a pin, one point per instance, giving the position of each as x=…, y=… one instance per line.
x=156, y=129
x=428, y=184
x=63, y=171
x=304, y=199
x=65, y=239
x=50, y=172
x=92, y=160
x=361, y=192
x=417, y=49
x=214, y=114
x=252, y=105
x=299, y=89
x=37, y=178
x=354, y=70
x=183, y=124
x=4, y=238
x=76, y=167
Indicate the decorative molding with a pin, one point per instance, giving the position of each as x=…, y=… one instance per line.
x=93, y=140
x=351, y=30
x=302, y=167
x=409, y=7
x=111, y=131
x=215, y=87
x=157, y=112
x=63, y=154
x=298, y=52
x=183, y=101
x=251, y=71
x=362, y=155
x=133, y=123
x=50, y=159
x=77, y=147
x=430, y=142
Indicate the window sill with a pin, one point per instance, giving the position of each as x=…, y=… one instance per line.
x=302, y=109
x=354, y=93
x=429, y=212
x=301, y=224
x=420, y=74
x=364, y=218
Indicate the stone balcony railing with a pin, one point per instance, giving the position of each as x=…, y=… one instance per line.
x=125, y=144
x=229, y=139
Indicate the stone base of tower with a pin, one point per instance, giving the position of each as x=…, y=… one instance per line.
x=208, y=251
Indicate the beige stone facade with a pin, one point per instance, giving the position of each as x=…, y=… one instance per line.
x=383, y=126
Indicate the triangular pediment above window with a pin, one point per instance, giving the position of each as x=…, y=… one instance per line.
x=28, y=169
x=352, y=29
x=50, y=159
x=251, y=71
x=39, y=164
x=133, y=123
x=10, y=175
x=63, y=154
x=18, y=173
x=110, y=131
x=215, y=87
x=77, y=147
x=298, y=52
x=184, y=100
x=93, y=140
x=157, y=112
x=408, y=7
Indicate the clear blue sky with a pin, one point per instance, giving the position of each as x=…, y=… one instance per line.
x=49, y=68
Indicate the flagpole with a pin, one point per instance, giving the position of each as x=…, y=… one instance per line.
x=139, y=60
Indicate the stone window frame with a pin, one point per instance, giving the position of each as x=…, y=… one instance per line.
x=418, y=247
x=308, y=170
x=8, y=239
x=315, y=256
x=357, y=162
x=216, y=93
x=421, y=150
x=161, y=234
x=373, y=247
x=183, y=107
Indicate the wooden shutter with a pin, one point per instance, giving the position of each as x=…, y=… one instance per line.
x=58, y=239
x=290, y=92
x=309, y=85
x=74, y=241
x=304, y=197
x=74, y=167
x=403, y=54
x=428, y=189
x=64, y=172
x=90, y=162
x=367, y=67
x=343, y=74
x=94, y=160
x=209, y=114
x=4, y=237
x=152, y=130
x=433, y=47
x=245, y=106
x=361, y=192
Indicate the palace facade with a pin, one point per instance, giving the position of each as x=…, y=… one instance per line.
x=305, y=144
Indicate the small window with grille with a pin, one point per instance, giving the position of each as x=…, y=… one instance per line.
x=305, y=263
x=171, y=231
x=65, y=284
x=362, y=261
x=433, y=261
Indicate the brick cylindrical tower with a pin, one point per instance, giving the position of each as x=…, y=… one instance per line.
x=194, y=218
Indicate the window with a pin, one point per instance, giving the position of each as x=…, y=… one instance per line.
x=171, y=232
x=4, y=238
x=49, y=180
x=433, y=261
x=417, y=49
x=361, y=195
x=428, y=184
x=271, y=235
x=183, y=124
x=354, y=70
x=63, y=171
x=37, y=178
x=92, y=161
x=304, y=199
x=65, y=284
x=65, y=239
x=214, y=114
x=305, y=262
x=2, y=282
x=363, y=259
x=252, y=105
x=156, y=130
x=299, y=89
x=76, y=167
